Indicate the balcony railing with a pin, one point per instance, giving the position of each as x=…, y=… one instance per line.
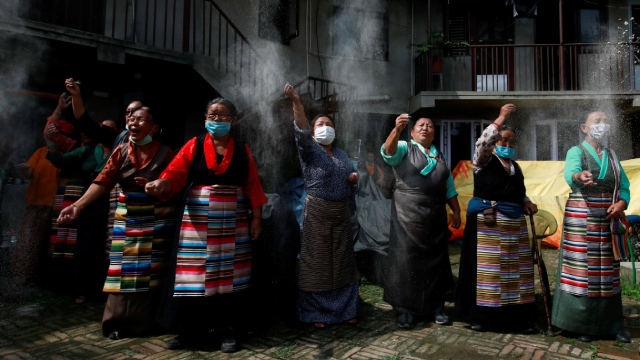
x=189, y=26
x=539, y=67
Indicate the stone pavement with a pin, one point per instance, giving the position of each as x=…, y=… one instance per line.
x=73, y=332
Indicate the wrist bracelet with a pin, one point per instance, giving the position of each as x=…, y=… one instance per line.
x=77, y=207
x=298, y=111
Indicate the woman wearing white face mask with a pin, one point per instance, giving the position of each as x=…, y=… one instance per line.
x=143, y=229
x=587, y=299
x=328, y=277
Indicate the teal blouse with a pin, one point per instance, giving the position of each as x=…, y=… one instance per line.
x=87, y=160
x=573, y=164
x=401, y=152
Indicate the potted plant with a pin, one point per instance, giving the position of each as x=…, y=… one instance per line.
x=436, y=40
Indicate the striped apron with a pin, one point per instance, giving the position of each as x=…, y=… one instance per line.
x=588, y=266
x=142, y=234
x=505, y=263
x=63, y=237
x=113, y=206
x=214, y=250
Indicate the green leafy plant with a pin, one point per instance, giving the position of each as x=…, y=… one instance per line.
x=283, y=352
x=436, y=41
x=630, y=289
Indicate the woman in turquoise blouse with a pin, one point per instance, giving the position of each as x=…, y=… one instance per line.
x=587, y=299
x=90, y=264
x=419, y=273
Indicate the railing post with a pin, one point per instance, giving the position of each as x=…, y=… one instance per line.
x=186, y=26
x=561, y=49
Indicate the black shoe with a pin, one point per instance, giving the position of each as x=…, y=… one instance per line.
x=405, y=320
x=177, y=343
x=585, y=338
x=229, y=344
x=442, y=318
x=529, y=330
x=114, y=335
x=477, y=327
x=623, y=337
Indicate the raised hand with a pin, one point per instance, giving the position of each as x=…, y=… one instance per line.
x=353, y=178
x=506, y=110
x=68, y=214
x=402, y=121
x=64, y=102
x=72, y=87
x=291, y=93
x=50, y=133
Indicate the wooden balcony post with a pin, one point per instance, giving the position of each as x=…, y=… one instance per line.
x=186, y=26
x=561, y=48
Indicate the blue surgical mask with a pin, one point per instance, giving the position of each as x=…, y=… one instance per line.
x=217, y=128
x=505, y=152
x=147, y=139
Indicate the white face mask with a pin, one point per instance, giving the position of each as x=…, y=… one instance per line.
x=600, y=134
x=325, y=135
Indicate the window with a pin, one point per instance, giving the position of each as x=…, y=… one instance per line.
x=360, y=33
x=459, y=30
x=279, y=20
x=553, y=139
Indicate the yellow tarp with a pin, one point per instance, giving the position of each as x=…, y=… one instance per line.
x=546, y=187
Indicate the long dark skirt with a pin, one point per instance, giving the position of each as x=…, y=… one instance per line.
x=90, y=263
x=503, y=317
x=131, y=314
x=418, y=268
x=595, y=316
x=329, y=307
x=198, y=314
x=31, y=252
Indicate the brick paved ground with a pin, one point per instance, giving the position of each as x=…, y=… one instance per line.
x=52, y=327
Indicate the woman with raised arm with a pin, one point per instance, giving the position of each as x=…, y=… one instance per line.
x=418, y=269
x=328, y=278
x=210, y=270
x=143, y=229
x=588, y=298
x=495, y=284
x=89, y=263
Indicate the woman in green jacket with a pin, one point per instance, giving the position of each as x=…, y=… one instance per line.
x=88, y=251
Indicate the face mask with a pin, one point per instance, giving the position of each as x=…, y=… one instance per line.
x=325, y=135
x=147, y=139
x=505, y=152
x=217, y=128
x=600, y=133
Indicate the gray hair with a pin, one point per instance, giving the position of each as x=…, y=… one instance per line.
x=228, y=104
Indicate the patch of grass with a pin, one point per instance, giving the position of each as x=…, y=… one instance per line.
x=629, y=288
x=620, y=345
x=370, y=292
x=392, y=357
x=283, y=352
x=594, y=351
x=353, y=342
x=570, y=341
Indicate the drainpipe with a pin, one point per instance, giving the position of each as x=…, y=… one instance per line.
x=411, y=65
x=561, y=49
x=307, y=32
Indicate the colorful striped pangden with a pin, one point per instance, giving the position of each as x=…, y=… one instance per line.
x=505, y=263
x=142, y=235
x=588, y=267
x=63, y=238
x=113, y=206
x=214, y=253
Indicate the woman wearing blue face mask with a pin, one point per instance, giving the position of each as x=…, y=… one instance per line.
x=495, y=284
x=210, y=272
x=587, y=299
x=143, y=229
x=328, y=278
